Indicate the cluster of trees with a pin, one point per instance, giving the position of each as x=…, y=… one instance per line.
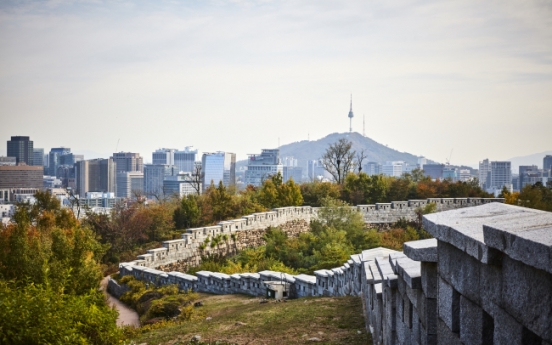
x=49, y=279
x=536, y=196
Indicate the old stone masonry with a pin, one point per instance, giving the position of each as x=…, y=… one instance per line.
x=485, y=278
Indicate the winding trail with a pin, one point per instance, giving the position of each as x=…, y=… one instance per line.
x=127, y=316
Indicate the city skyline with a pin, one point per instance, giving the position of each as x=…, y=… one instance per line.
x=243, y=76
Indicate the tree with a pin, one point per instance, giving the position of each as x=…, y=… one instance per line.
x=197, y=177
x=360, y=157
x=274, y=193
x=187, y=214
x=338, y=159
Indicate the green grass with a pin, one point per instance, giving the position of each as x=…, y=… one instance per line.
x=335, y=320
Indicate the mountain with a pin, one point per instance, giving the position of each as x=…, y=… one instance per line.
x=375, y=152
x=534, y=159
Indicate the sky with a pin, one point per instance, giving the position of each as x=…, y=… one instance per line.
x=429, y=77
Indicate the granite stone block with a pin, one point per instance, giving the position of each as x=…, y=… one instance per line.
x=429, y=279
x=446, y=336
x=423, y=250
x=449, y=306
x=527, y=296
x=471, y=322
x=460, y=270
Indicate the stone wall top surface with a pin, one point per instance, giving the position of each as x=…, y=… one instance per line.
x=522, y=233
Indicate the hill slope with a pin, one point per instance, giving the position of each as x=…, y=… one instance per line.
x=376, y=152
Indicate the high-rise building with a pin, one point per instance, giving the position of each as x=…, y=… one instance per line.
x=523, y=170
x=129, y=184
x=154, y=175
x=21, y=176
x=22, y=149
x=501, y=175
x=95, y=175
x=38, y=157
x=180, y=185
x=293, y=172
x=163, y=156
x=372, y=168
x=185, y=159
x=54, y=158
x=546, y=162
x=435, y=171
x=484, y=173
x=128, y=161
x=260, y=167
x=421, y=162
x=218, y=166
x=393, y=168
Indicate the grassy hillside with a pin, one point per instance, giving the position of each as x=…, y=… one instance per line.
x=239, y=319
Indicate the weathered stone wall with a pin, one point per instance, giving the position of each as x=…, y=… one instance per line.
x=187, y=251
x=486, y=278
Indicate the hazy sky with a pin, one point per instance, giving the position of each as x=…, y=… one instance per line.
x=429, y=76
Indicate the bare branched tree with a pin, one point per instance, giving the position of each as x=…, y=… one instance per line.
x=339, y=160
x=74, y=201
x=197, y=177
x=360, y=157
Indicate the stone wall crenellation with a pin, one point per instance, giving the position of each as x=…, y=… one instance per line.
x=485, y=278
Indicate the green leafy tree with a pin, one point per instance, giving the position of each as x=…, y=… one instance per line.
x=275, y=193
x=187, y=214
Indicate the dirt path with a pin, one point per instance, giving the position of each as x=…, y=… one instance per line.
x=127, y=316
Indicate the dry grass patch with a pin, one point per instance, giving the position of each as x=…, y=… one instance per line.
x=239, y=319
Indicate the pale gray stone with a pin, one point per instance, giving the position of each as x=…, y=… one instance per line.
x=423, y=250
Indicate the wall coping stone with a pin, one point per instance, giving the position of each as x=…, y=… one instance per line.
x=422, y=250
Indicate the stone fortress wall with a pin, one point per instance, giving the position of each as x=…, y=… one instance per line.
x=486, y=278
x=237, y=234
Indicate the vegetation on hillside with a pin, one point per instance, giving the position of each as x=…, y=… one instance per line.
x=49, y=279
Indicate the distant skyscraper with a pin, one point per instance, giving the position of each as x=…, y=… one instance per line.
x=260, y=167
x=185, y=159
x=372, y=168
x=293, y=172
x=95, y=175
x=154, y=174
x=218, y=166
x=128, y=161
x=484, y=173
x=351, y=115
x=38, y=157
x=501, y=175
x=163, y=156
x=393, y=168
x=54, y=158
x=22, y=149
x=546, y=162
x=435, y=171
x=20, y=177
x=523, y=170
x=129, y=182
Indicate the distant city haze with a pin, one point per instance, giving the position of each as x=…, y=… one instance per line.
x=427, y=77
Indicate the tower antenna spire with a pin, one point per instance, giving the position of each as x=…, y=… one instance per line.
x=351, y=115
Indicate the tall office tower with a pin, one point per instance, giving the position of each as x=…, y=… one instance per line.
x=293, y=172
x=260, y=167
x=163, y=156
x=546, y=162
x=154, y=174
x=38, y=157
x=393, y=168
x=218, y=166
x=185, y=159
x=484, y=174
x=435, y=171
x=523, y=170
x=95, y=175
x=129, y=184
x=128, y=161
x=54, y=158
x=22, y=149
x=501, y=175
x=372, y=168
